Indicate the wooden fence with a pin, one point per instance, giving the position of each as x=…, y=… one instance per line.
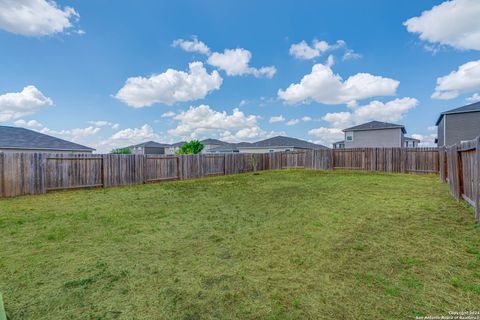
x=414, y=160
x=37, y=173
x=460, y=168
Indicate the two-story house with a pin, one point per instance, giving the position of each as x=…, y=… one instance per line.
x=374, y=134
x=457, y=125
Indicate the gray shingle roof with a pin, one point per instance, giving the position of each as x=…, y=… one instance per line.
x=375, y=125
x=151, y=144
x=474, y=107
x=281, y=141
x=178, y=144
x=21, y=138
x=243, y=144
x=214, y=141
x=278, y=141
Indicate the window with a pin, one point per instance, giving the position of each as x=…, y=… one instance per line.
x=349, y=136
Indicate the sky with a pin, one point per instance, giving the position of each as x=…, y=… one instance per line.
x=109, y=74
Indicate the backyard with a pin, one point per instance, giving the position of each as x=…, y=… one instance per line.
x=291, y=244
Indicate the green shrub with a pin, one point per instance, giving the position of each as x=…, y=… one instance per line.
x=191, y=147
x=121, y=151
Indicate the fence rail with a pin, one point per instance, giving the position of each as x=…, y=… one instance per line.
x=37, y=173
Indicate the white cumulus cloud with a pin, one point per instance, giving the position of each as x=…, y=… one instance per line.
x=391, y=111
x=168, y=114
x=103, y=123
x=14, y=105
x=127, y=137
x=473, y=98
x=74, y=134
x=293, y=122
x=35, y=17
x=323, y=86
x=303, y=50
x=465, y=79
x=454, y=23
x=203, y=121
x=28, y=124
x=278, y=118
x=193, y=45
x=236, y=62
x=306, y=118
x=170, y=87
x=425, y=140
x=326, y=136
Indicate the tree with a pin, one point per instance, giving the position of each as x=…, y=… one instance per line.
x=121, y=151
x=191, y=147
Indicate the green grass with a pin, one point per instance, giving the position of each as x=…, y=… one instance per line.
x=277, y=245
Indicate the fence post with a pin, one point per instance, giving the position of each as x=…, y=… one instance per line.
x=442, y=163
x=145, y=168
x=477, y=179
x=104, y=170
x=458, y=169
x=333, y=159
x=40, y=165
x=404, y=160
x=2, y=179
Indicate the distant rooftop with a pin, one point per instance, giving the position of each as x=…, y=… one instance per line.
x=474, y=107
x=281, y=141
x=150, y=144
x=213, y=141
x=375, y=125
x=178, y=144
x=21, y=138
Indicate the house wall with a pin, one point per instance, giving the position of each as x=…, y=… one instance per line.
x=207, y=147
x=171, y=150
x=149, y=150
x=266, y=149
x=43, y=151
x=460, y=127
x=410, y=143
x=440, y=132
x=386, y=138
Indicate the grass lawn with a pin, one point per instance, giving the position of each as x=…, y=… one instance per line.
x=294, y=244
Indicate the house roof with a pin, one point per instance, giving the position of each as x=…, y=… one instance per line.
x=243, y=144
x=411, y=139
x=178, y=144
x=214, y=142
x=474, y=107
x=150, y=144
x=228, y=148
x=342, y=141
x=375, y=125
x=21, y=138
x=281, y=141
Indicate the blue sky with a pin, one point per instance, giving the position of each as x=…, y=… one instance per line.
x=96, y=72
